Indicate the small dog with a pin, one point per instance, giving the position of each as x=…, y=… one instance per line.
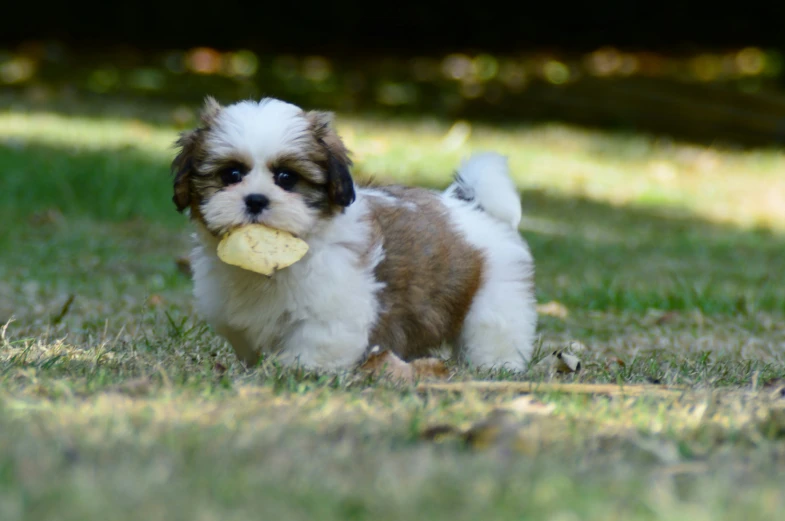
x=407, y=269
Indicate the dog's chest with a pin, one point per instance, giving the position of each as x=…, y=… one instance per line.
x=326, y=289
x=260, y=308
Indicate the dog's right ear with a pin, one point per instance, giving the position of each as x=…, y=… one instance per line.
x=184, y=163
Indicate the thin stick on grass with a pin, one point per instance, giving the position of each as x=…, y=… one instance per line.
x=546, y=387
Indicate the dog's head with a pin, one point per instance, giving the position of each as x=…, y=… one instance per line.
x=268, y=162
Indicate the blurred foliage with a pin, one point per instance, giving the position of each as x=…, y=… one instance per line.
x=731, y=95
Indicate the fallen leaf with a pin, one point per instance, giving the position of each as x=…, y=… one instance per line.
x=566, y=363
x=500, y=425
x=553, y=309
x=502, y=430
x=530, y=405
x=436, y=432
x=658, y=317
x=155, y=300
x=184, y=266
x=614, y=365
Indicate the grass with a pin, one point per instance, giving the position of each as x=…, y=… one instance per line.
x=664, y=257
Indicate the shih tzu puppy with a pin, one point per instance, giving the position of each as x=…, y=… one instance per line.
x=406, y=269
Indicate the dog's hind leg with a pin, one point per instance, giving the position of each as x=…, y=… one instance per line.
x=499, y=330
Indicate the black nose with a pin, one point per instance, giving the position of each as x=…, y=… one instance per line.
x=255, y=203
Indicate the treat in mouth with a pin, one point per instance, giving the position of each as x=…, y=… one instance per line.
x=258, y=248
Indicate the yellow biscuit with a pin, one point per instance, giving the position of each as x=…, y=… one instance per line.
x=264, y=250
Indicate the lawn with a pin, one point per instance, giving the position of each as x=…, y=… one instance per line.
x=663, y=259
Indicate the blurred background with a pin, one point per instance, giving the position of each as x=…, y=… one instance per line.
x=704, y=71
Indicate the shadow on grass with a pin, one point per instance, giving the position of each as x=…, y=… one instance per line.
x=589, y=254
x=594, y=255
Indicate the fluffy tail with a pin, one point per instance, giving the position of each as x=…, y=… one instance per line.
x=484, y=179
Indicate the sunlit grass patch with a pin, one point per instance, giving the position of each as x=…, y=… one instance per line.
x=735, y=187
x=171, y=433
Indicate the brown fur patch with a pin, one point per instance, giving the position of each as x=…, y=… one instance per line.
x=337, y=163
x=186, y=165
x=430, y=272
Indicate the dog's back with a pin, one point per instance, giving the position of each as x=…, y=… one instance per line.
x=455, y=270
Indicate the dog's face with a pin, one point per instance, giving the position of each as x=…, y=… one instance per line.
x=268, y=162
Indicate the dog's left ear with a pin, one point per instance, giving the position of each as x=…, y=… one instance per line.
x=340, y=185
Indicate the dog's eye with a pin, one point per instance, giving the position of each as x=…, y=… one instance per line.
x=231, y=175
x=286, y=179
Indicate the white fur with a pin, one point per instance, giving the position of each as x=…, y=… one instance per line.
x=383, y=197
x=258, y=130
x=320, y=311
x=500, y=327
x=485, y=179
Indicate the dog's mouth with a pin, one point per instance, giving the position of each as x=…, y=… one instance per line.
x=220, y=230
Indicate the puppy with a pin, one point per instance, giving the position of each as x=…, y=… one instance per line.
x=407, y=269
